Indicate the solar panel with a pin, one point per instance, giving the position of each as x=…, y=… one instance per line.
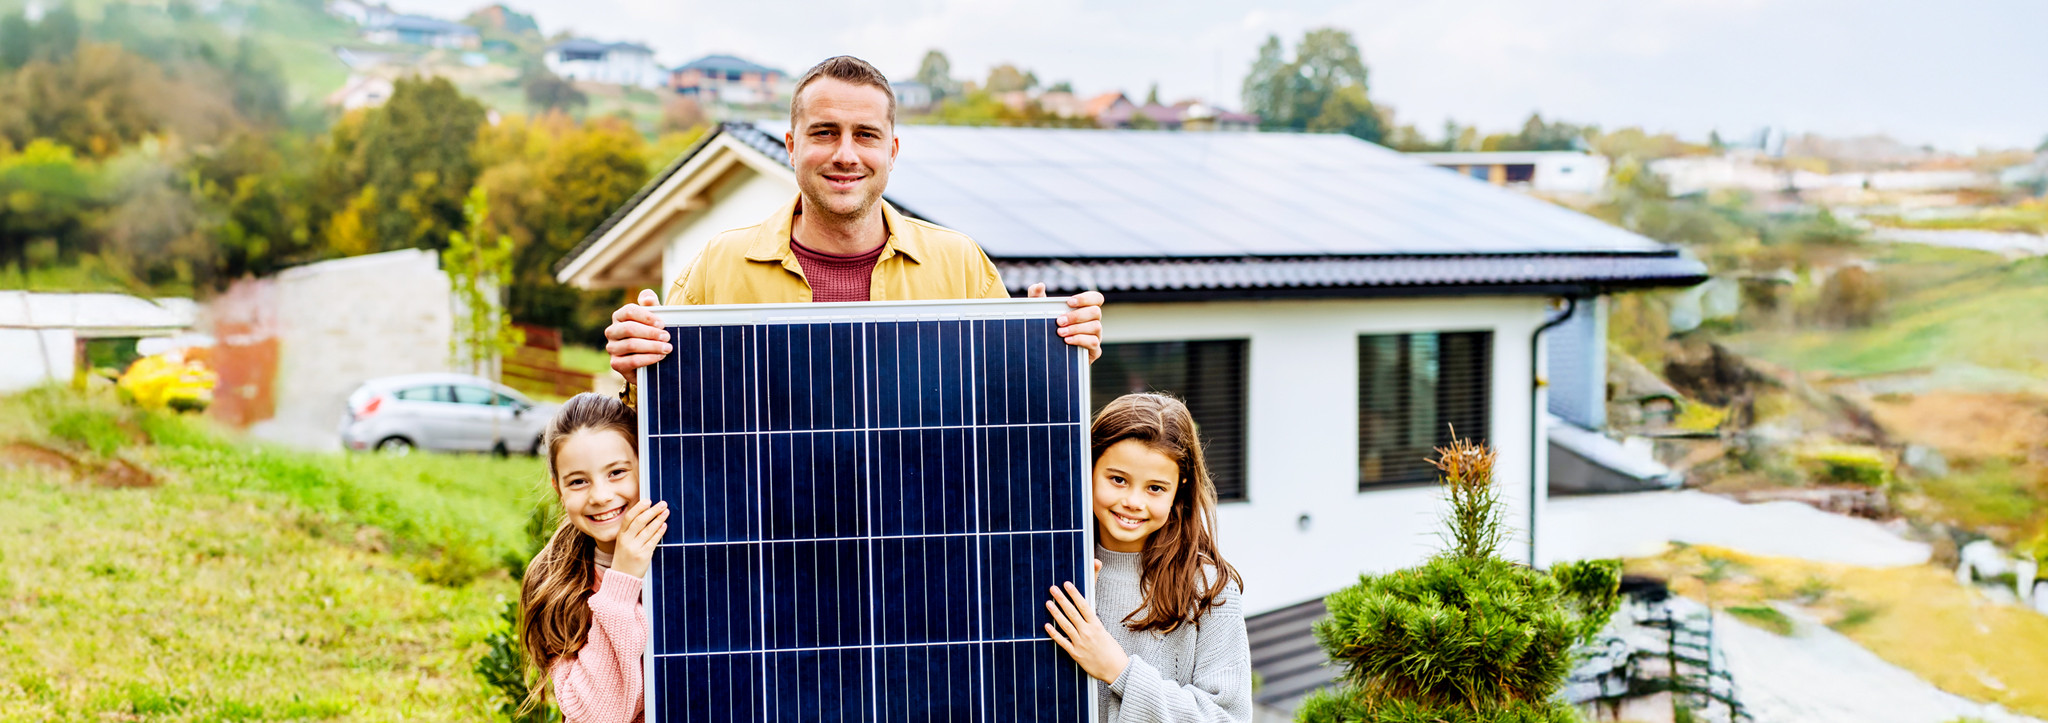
x=867, y=504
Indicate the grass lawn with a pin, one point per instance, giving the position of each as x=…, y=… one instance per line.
x=1917, y=617
x=234, y=582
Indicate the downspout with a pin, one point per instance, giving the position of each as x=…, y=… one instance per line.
x=1571, y=306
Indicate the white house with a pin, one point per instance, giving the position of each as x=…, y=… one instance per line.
x=1329, y=308
x=599, y=62
x=47, y=335
x=1543, y=171
x=390, y=29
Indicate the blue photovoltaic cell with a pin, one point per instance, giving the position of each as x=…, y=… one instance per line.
x=864, y=519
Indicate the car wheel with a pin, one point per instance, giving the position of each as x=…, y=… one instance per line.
x=535, y=449
x=397, y=446
x=500, y=451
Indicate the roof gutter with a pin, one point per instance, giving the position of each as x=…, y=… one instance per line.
x=1536, y=384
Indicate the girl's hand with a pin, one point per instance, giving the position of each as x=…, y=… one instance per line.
x=634, y=549
x=1081, y=634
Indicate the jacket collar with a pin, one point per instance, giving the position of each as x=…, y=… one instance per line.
x=771, y=243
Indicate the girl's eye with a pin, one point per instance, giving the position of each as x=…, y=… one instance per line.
x=1115, y=480
x=1158, y=488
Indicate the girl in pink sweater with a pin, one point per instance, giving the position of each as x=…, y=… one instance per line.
x=580, y=616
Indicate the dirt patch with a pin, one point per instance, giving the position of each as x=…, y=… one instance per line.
x=1972, y=424
x=16, y=455
x=113, y=473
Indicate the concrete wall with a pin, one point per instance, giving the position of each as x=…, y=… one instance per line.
x=340, y=323
x=1302, y=426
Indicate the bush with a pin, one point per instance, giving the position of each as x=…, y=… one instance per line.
x=1865, y=466
x=1465, y=636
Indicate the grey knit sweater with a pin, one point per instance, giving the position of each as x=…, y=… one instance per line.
x=1199, y=672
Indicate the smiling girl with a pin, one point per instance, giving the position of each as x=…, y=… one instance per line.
x=1177, y=650
x=579, y=608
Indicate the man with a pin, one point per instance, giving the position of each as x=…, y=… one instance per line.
x=837, y=240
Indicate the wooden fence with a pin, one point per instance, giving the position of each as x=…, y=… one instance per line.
x=536, y=367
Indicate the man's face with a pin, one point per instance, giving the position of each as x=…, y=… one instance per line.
x=842, y=144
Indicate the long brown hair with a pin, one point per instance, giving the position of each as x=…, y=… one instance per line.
x=1181, y=572
x=554, y=608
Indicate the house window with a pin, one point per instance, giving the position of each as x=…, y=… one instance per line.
x=1413, y=391
x=1521, y=172
x=1208, y=375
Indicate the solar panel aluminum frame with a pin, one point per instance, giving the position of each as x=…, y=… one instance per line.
x=884, y=311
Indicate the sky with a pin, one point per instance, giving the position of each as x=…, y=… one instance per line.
x=1960, y=75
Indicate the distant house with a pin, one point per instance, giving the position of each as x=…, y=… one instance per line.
x=1544, y=171
x=1112, y=103
x=360, y=13
x=599, y=62
x=1062, y=104
x=361, y=91
x=1199, y=116
x=421, y=30
x=728, y=79
x=911, y=96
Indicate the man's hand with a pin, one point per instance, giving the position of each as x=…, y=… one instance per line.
x=1081, y=327
x=635, y=339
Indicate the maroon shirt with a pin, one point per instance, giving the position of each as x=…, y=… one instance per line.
x=837, y=278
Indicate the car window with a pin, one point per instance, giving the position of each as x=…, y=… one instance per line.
x=435, y=393
x=472, y=395
x=505, y=400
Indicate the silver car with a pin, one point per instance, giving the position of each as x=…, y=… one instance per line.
x=451, y=412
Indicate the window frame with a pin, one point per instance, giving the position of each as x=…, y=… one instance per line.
x=1480, y=343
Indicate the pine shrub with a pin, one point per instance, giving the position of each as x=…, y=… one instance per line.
x=1466, y=635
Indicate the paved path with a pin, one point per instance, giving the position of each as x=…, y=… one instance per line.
x=1639, y=524
x=1819, y=676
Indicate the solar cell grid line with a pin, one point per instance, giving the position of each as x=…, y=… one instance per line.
x=871, y=501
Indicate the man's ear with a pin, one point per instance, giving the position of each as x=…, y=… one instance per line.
x=895, y=146
x=789, y=147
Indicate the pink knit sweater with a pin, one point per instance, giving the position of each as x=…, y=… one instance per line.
x=602, y=683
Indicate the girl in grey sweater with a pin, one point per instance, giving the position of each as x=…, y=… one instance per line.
x=1175, y=647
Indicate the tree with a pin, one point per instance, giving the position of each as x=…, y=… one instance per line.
x=2043, y=148
x=1466, y=636
x=1348, y=111
x=1068, y=87
x=415, y=152
x=58, y=34
x=1323, y=85
x=17, y=41
x=547, y=91
x=936, y=73
x=1152, y=95
x=477, y=268
x=1267, y=86
x=47, y=196
x=1007, y=78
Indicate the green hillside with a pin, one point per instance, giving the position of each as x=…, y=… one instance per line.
x=152, y=568
x=1966, y=314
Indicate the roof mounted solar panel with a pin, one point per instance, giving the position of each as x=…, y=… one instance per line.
x=867, y=504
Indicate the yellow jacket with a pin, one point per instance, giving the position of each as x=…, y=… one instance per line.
x=754, y=265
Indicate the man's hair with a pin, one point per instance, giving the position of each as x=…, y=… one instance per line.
x=843, y=68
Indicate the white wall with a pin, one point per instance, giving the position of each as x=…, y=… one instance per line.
x=1571, y=174
x=744, y=201
x=346, y=321
x=1301, y=454
x=35, y=357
